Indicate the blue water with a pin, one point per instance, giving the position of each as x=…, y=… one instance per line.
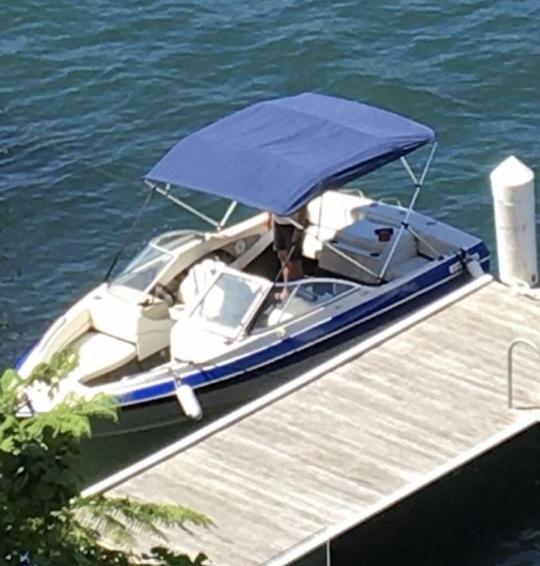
x=92, y=94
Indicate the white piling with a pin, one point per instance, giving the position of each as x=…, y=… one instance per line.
x=512, y=185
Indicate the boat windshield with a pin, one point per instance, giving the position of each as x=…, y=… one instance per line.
x=143, y=271
x=299, y=298
x=229, y=302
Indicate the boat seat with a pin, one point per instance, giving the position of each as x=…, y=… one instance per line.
x=335, y=209
x=314, y=238
x=367, y=243
x=146, y=326
x=198, y=279
x=328, y=214
x=365, y=235
x=100, y=353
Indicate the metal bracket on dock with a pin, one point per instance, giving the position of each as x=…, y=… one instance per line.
x=510, y=365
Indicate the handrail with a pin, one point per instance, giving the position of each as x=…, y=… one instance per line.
x=510, y=365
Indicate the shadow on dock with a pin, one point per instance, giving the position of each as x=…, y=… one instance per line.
x=456, y=520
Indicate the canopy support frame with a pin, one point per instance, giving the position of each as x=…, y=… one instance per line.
x=231, y=208
x=166, y=192
x=418, y=183
x=424, y=241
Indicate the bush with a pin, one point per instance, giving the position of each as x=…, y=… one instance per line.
x=43, y=519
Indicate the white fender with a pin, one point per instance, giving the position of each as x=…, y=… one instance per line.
x=189, y=402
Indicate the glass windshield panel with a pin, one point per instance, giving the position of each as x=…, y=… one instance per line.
x=229, y=301
x=295, y=299
x=143, y=269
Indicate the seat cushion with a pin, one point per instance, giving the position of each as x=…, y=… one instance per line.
x=100, y=353
x=314, y=238
x=365, y=235
x=198, y=279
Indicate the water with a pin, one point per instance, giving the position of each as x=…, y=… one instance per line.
x=92, y=94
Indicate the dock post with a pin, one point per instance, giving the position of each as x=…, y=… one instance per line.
x=512, y=185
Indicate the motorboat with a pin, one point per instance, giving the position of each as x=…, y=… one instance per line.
x=198, y=312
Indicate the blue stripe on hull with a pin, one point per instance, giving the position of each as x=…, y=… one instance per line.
x=288, y=346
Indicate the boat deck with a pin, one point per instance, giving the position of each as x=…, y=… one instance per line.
x=353, y=437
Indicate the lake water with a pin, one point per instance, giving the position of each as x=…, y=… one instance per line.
x=92, y=94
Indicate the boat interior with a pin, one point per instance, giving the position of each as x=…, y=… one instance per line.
x=153, y=309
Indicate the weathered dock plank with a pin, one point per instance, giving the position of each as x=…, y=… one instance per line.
x=360, y=437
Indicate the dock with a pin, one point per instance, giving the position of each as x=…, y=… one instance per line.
x=291, y=471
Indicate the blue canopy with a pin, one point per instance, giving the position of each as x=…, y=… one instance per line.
x=279, y=154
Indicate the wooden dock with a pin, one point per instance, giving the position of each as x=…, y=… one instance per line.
x=328, y=451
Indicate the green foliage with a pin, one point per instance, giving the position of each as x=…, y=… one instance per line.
x=50, y=374
x=42, y=515
x=114, y=515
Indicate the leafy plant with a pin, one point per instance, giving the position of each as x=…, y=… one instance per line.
x=43, y=519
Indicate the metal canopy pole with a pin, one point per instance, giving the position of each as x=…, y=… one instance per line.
x=166, y=193
x=227, y=214
x=436, y=252
x=405, y=222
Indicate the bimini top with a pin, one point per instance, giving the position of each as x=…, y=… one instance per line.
x=279, y=154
